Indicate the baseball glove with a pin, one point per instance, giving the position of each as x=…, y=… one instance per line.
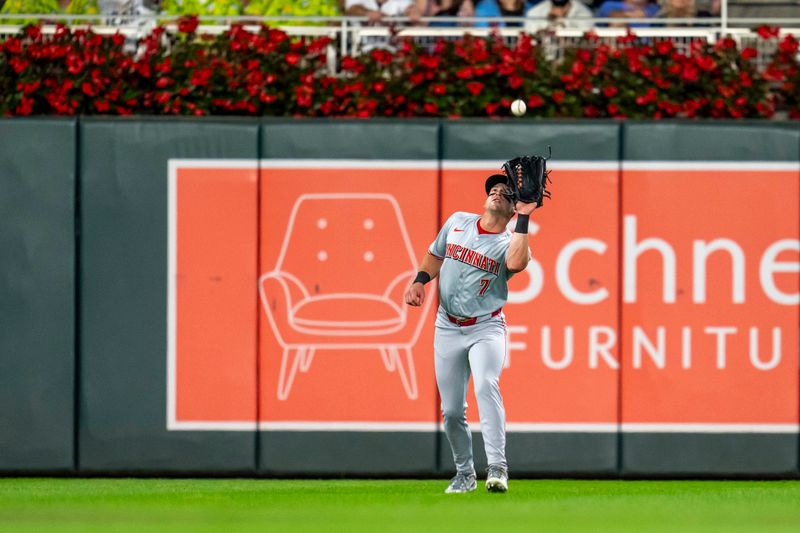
x=528, y=177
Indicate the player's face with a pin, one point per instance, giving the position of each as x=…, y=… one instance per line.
x=497, y=202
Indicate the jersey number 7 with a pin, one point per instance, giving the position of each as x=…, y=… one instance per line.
x=484, y=285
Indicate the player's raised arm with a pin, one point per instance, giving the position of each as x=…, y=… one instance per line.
x=528, y=176
x=429, y=269
x=518, y=250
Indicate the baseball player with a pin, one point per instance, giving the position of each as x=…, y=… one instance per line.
x=474, y=257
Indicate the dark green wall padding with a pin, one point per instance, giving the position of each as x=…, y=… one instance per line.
x=37, y=295
x=123, y=302
x=83, y=304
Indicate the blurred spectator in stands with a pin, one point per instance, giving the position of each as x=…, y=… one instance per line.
x=376, y=10
x=678, y=9
x=709, y=8
x=129, y=7
x=445, y=8
x=627, y=9
x=501, y=8
x=556, y=14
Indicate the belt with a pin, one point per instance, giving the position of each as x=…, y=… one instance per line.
x=461, y=321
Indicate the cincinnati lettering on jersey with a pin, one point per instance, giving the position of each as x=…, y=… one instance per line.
x=472, y=258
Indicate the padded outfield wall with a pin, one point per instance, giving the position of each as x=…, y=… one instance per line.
x=225, y=297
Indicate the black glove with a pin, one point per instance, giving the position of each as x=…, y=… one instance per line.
x=528, y=178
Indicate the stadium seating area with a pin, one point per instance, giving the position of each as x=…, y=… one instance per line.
x=553, y=13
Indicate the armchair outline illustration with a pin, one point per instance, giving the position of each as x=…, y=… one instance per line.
x=338, y=284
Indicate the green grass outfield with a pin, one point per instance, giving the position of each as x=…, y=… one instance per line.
x=267, y=505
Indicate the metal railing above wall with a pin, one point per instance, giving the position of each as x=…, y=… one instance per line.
x=351, y=36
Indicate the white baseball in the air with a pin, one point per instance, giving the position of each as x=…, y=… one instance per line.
x=518, y=107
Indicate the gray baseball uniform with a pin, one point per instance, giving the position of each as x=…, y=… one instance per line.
x=471, y=333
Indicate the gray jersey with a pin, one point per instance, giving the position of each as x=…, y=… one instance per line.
x=473, y=280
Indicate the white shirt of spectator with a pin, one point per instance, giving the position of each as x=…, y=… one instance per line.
x=389, y=8
x=576, y=9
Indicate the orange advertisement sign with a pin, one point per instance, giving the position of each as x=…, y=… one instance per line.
x=338, y=250
x=212, y=302
x=312, y=282
x=710, y=329
x=675, y=311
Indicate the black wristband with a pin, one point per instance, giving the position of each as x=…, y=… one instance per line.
x=422, y=277
x=522, y=224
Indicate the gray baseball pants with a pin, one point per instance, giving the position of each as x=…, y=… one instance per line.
x=479, y=350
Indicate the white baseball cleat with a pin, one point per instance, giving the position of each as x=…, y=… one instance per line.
x=462, y=483
x=496, y=478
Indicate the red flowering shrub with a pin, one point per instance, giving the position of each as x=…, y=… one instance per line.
x=238, y=72
x=784, y=71
x=467, y=77
x=656, y=80
x=268, y=73
x=80, y=72
x=67, y=73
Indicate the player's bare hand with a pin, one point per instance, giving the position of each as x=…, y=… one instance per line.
x=525, y=209
x=415, y=294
